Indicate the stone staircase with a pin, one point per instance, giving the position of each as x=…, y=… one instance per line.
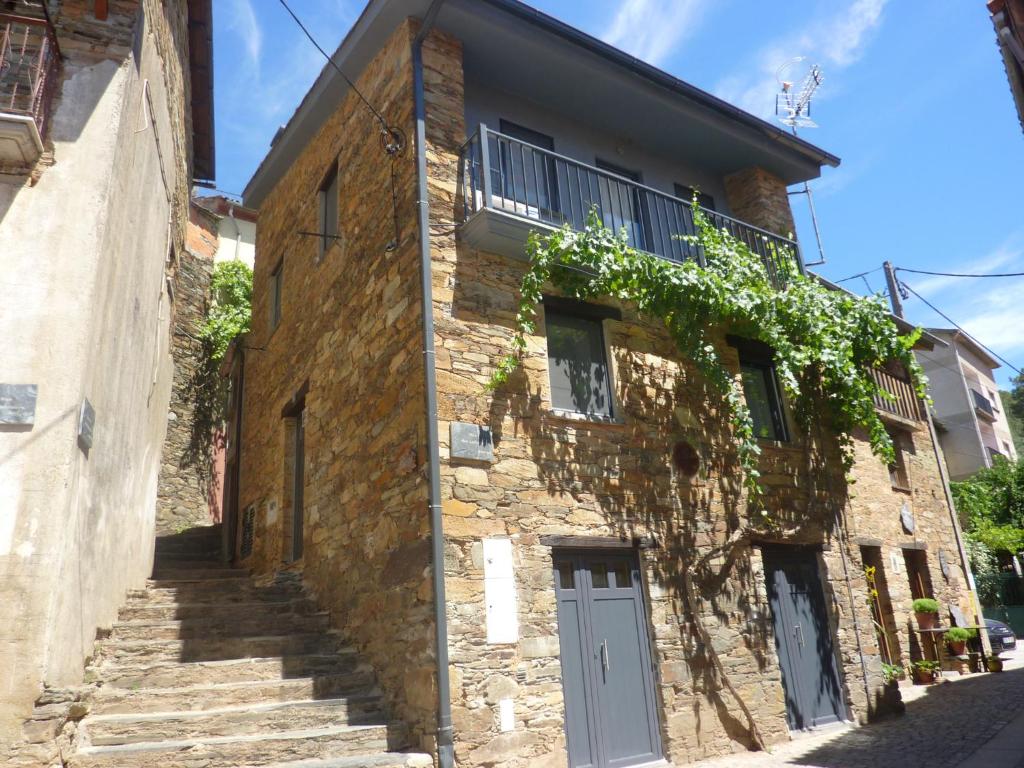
x=205, y=668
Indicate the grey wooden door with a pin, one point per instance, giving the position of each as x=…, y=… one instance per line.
x=610, y=715
x=803, y=639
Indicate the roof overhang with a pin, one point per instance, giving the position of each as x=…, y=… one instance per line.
x=200, y=55
x=514, y=47
x=958, y=337
x=1008, y=19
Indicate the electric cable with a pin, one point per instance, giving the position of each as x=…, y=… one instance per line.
x=958, y=274
x=946, y=317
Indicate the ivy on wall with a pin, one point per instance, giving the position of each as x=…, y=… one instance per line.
x=825, y=341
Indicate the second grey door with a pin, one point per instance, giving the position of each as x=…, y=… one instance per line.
x=607, y=680
x=802, y=637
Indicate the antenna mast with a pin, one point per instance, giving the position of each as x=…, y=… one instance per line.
x=794, y=109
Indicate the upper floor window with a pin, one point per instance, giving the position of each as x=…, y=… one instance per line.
x=275, y=294
x=328, y=217
x=577, y=362
x=899, y=475
x=761, y=389
x=704, y=200
x=525, y=176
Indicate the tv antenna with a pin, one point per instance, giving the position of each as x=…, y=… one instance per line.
x=793, y=108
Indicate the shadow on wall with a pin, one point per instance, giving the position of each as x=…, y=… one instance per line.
x=702, y=522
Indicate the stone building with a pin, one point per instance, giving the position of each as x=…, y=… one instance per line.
x=1008, y=20
x=105, y=120
x=549, y=572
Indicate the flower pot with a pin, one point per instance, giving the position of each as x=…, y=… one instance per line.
x=995, y=664
x=927, y=620
x=924, y=676
x=958, y=647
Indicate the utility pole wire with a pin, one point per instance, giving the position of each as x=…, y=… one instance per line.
x=946, y=317
x=958, y=274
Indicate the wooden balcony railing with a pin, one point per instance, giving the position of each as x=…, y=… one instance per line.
x=906, y=405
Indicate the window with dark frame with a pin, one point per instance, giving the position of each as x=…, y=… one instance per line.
x=525, y=175
x=899, y=476
x=761, y=389
x=577, y=364
x=328, y=201
x=275, y=295
x=704, y=200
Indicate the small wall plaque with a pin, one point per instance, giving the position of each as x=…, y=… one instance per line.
x=86, y=423
x=958, y=616
x=907, y=518
x=471, y=441
x=18, y=403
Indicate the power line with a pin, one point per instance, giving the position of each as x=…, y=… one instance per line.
x=859, y=274
x=946, y=317
x=959, y=274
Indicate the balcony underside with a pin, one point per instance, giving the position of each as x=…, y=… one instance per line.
x=20, y=143
x=502, y=232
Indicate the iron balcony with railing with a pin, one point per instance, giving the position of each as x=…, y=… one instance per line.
x=983, y=406
x=510, y=187
x=28, y=61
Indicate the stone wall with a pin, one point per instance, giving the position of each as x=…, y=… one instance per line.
x=187, y=494
x=87, y=310
x=350, y=335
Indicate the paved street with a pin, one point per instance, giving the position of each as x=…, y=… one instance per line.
x=975, y=721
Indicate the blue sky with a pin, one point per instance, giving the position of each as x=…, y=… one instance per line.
x=915, y=102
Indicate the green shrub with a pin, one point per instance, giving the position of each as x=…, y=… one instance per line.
x=892, y=672
x=926, y=605
x=959, y=635
x=926, y=666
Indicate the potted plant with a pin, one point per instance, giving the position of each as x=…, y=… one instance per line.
x=925, y=671
x=891, y=673
x=927, y=612
x=957, y=638
x=995, y=664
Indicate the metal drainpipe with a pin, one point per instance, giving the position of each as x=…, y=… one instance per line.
x=445, y=742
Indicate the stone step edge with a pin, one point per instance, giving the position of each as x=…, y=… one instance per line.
x=197, y=714
x=211, y=741
x=378, y=760
x=108, y=691
x=133, y=665
x=208, y=620
x=113, y=643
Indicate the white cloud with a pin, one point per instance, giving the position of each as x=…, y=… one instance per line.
x=651, y=29
x=242, y=21
x=835, y=42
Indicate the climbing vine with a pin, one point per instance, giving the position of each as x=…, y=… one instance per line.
x=825, y=341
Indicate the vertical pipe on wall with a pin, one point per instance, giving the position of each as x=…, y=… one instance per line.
x=445, y=748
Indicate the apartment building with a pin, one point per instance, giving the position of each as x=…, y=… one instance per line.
x=969, y=414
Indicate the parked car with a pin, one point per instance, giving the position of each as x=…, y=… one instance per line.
x=1000, y=635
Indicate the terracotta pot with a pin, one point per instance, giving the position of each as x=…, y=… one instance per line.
x=927, y=620
x=995, y=664
x=958, y=647
x=923, y=676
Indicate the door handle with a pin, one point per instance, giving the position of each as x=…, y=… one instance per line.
x=606, y=661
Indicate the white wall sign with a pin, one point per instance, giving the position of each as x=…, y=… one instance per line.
x=500, y=592
x=506, y=715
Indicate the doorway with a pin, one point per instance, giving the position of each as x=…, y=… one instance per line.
x=611, y=718
x=882, y=614
x=803, y=639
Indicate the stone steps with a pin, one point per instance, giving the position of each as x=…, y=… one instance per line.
x=238, y=720
x=205, y=668
x=144, y=610
x=248, y=750
x=252, y=625
x=166, y=674
x=112, y=700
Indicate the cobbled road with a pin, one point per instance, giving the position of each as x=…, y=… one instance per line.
x=976, y=721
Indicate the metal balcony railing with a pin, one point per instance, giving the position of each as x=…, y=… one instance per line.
x=28, y=63
x=983, y=406
x=907, y=405
x=503, y=173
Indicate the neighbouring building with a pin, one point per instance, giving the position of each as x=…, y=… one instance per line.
x=105, y=121
x=969, y=414
x=191, y=486
x=546, y=574
x=1008, y=19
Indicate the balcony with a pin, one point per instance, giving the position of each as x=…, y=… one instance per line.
x=28, y=62
x=511, y=188
x=906, y=406
x=983, y=406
